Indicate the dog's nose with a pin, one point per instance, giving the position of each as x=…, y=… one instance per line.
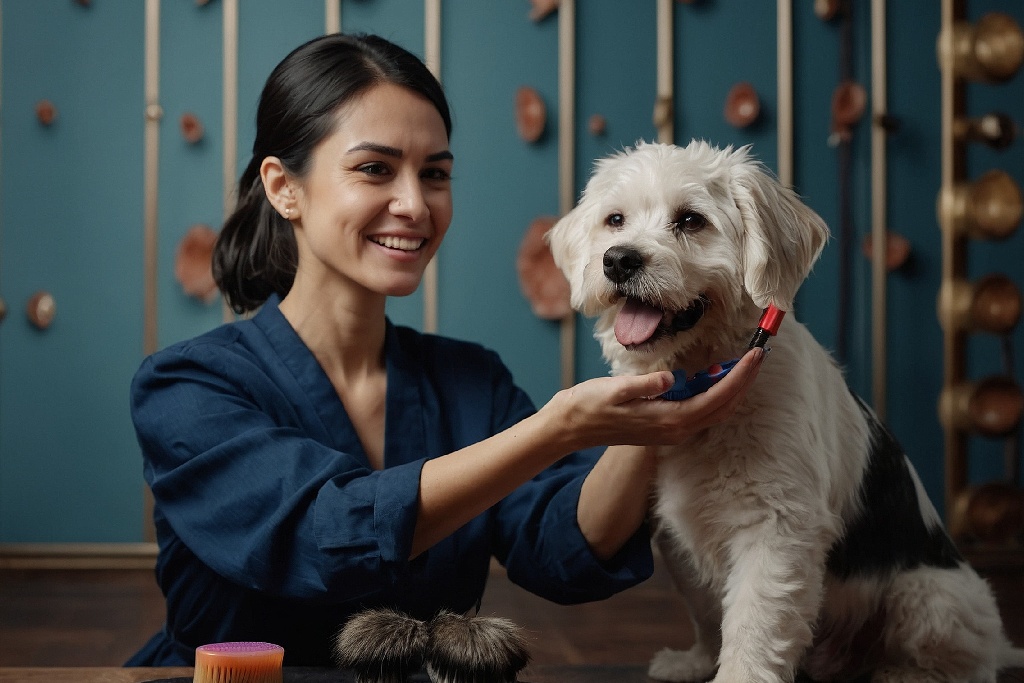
x=622, y=263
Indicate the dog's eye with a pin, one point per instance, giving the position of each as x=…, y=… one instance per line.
x=615, y=220
x=690, y=221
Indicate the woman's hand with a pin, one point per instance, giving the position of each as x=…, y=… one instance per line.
x=615, y=495
x=625, y=410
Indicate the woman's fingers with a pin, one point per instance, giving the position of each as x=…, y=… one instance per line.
x=722, y=399
x=625, y=409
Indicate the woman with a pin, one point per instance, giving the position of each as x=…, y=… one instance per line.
x=316, y=460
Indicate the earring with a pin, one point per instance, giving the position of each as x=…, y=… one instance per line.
x=288, y=213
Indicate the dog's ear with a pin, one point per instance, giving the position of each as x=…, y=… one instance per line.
x=782, y=236
x=567, y=240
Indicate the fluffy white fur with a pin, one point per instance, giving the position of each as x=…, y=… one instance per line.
x=749, y=511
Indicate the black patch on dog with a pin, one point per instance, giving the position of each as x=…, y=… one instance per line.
x=890, y=533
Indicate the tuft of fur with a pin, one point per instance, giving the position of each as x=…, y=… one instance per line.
x=477, y=649
x=798, y=530
x=382, y=646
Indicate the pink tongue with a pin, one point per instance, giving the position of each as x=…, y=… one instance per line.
x=636, y=322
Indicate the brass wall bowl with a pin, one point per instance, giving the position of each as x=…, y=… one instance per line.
x=988, y=208
x=992, y=513
x=992, y=304
x=991, y=407
x=991, y=50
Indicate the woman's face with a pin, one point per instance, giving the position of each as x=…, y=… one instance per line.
x=376, y=201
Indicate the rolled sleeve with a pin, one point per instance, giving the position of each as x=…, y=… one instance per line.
x=547, y=553
x=373, y=518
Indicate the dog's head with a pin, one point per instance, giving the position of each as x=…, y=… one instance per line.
x=663, y=235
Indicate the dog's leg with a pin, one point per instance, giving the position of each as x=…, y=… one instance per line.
x=699, y=662
x=943, y=625
x=771, y=601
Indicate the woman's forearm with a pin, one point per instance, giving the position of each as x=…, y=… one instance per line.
x=615, y=497
x=458, y=486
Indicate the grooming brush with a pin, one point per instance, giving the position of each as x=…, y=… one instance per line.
x=686, y=386
x=382, y=646
x=239, y=663
x=475, y=649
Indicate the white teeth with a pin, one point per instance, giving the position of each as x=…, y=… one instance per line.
x=402, y=243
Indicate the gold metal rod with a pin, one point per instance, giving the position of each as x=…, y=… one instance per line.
x=879, y=206
x=3, y=307
x=230, y=114
x=150, y=220
x=953, y=246
x=151, y=171
x=566, y=159
x=784, y=86
x=665, y=73
x=432, y=49
x=332, y=16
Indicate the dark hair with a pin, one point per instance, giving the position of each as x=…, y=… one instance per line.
x=256, y=254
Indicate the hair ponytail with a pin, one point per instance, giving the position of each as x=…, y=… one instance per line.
x=255, y=254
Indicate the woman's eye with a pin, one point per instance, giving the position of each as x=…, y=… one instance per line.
x=374, y=168
x=691, y=221
x=615, y=220
x=437, y=174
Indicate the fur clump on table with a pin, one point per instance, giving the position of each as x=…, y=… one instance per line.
x=385, y=646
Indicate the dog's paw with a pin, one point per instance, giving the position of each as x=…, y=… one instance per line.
x=682, y=666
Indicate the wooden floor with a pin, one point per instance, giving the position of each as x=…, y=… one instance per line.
x=100, y=617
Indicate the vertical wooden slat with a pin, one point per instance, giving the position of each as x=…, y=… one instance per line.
x=567, y=159
x=665, y=74
x=332, y=16
x=151, y=164
x=432, y=57
x=879, y=204
x=954, y=264
x=3, y=307
x=150, y=200
x=230, y=113
x=784, y=85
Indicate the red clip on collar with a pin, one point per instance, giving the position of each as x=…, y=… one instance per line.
x=771, y=319
x=768, y=326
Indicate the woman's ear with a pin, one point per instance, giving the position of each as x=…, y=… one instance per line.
x=279, y=188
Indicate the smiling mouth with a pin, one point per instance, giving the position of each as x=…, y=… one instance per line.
x=399, y=243
x=639, y=322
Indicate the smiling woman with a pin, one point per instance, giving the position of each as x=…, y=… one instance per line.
x=375, y=203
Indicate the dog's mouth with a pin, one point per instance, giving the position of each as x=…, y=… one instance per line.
x=639, y=322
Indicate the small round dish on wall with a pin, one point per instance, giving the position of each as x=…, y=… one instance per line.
x=742, y=105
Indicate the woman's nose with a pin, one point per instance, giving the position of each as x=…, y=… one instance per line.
x=409, y=200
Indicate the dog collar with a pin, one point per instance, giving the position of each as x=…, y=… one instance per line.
x=687, y=386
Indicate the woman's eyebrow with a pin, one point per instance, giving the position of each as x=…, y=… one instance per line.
x=440, y=156
x=387, y=150
x=379, y=149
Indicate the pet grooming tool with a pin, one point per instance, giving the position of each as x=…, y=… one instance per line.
x=475, y=649
x=687, y=386
x=243, y=662
x=767, y=326
x=382, y=646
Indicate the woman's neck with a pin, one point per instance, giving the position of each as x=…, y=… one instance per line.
x=345, y=333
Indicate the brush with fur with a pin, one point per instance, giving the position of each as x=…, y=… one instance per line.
x=382, y=646
x=475, y=649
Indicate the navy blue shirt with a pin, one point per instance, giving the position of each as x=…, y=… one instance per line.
x=272, y=526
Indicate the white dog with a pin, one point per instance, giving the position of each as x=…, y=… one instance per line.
x=798, y=530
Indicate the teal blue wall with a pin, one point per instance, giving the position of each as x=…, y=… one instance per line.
x=71, y=195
